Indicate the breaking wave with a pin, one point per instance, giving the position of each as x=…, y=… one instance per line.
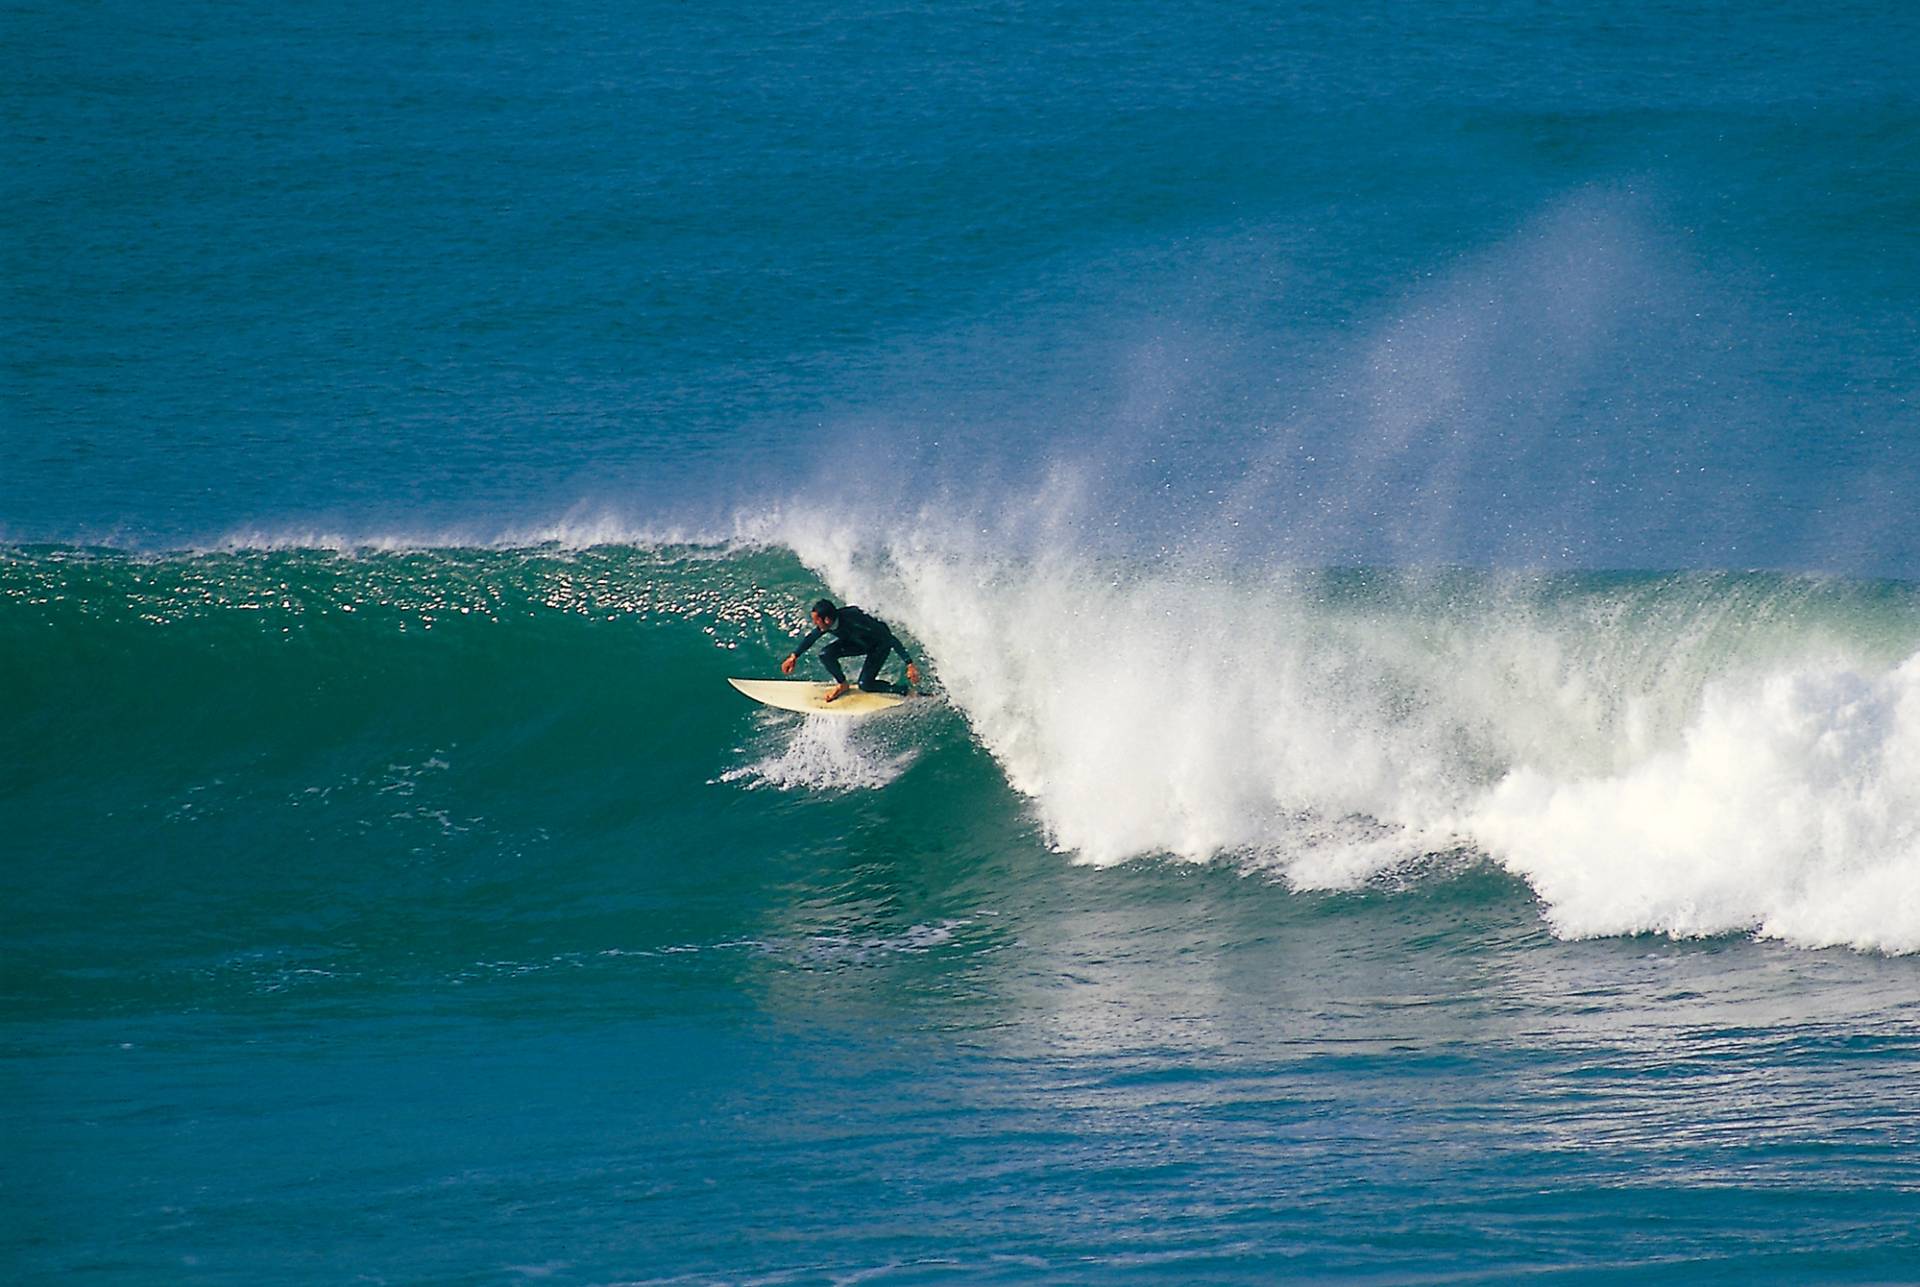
x=1686, y=754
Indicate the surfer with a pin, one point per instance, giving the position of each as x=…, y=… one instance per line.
x=854, y=632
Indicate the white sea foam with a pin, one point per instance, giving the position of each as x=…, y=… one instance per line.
x=1694, y=756
x=822, y=753
x=1791, y=807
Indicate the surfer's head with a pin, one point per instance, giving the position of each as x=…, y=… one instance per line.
x=824, y=612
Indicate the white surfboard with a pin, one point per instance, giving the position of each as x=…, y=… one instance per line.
x=810, y=698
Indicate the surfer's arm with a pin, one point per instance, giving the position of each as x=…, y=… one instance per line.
x=913, y=671
x=786, y=663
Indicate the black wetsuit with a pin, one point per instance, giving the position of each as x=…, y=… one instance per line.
x=854, y=633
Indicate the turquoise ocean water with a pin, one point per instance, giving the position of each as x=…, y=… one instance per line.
x=1410, y=512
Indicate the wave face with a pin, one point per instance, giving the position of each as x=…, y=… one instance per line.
x=1693, y=754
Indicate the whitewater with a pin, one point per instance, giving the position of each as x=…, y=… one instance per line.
x=1690, y=754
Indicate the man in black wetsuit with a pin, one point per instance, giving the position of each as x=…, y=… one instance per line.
x=854, y=633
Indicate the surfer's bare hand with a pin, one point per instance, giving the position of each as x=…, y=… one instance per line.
x=838, y=689
x=913, y=673
x=786, y=666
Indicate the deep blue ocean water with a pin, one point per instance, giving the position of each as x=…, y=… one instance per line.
x=1410, y=512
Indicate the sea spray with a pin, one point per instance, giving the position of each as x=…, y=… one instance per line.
x=821, y=753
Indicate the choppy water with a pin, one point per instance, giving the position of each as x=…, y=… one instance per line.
x=1411, y=517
